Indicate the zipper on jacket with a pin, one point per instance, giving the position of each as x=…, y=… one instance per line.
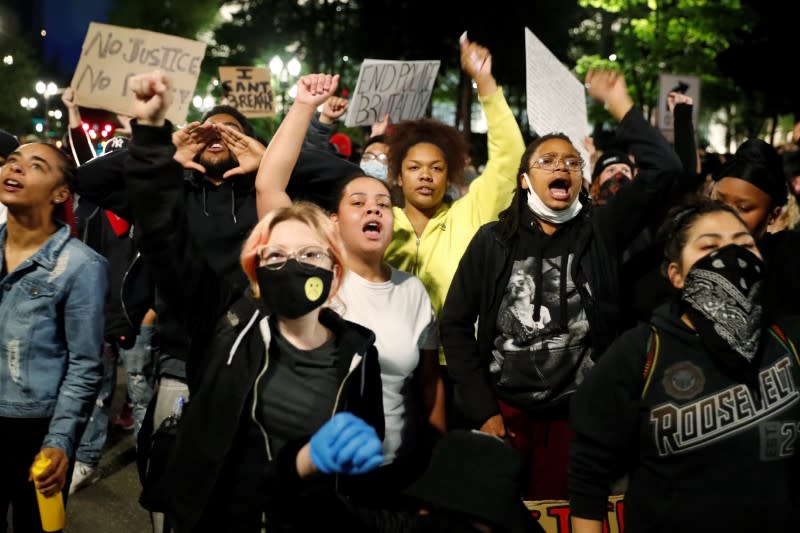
x=357, y=358
x=416, y=260
x=255, y=395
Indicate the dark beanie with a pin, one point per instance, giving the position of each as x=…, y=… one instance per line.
x=758, y=163
x=474, y=474
x=8, y=143
x=611, y=157
x=247, y=128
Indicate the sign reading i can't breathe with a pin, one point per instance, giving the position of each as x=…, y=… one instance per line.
x=112, y=54
x=400, y=89
x=249, y=90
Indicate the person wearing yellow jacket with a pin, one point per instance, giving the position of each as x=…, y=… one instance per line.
x=430, y=234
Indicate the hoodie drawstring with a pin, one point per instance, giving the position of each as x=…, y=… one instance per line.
x=233, y=204
x=537, y=299
x=563, y=318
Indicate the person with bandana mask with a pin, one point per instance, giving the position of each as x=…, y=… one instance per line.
x=571, y=252
x=700, y=407
x=753, y=184
x=613, y=170
x=274, y=363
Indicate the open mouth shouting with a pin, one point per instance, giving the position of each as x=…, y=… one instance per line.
x=372, y=229
x=559, y=189
x=11, y=185
x=216, y=147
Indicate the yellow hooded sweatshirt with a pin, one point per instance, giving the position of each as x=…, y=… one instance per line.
x=434, y=256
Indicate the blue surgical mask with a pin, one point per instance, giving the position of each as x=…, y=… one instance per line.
x=376, y=169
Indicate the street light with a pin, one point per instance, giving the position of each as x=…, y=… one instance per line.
x=28, y=103
x=46, y=89
x=283, y=72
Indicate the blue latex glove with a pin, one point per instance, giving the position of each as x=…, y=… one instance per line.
x=345, y=444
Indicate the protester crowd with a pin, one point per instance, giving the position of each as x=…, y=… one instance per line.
x=387, y=339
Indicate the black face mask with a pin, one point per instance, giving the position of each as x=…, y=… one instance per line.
x=295, y=289
x=722, y=297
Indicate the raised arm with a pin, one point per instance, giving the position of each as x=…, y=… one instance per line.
x=323, y=124
x=282, y=153
x=632, y=208
x=490, y=192
x=79, y=142
x=154, y=181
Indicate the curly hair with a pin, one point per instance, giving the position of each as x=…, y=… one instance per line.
x=412, y=132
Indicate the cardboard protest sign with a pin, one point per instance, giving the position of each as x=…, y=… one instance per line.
x=556, y=99
x=112, y=54
x=554, y=516
x=401, y=89
x=667, y=83
x=249, y=90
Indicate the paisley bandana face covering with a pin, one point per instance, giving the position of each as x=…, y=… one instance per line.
x=722, y=294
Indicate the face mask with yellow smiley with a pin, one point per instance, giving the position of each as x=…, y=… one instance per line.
x=295, y=289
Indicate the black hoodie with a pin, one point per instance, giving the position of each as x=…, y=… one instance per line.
x=575, y=272
x=703, y=451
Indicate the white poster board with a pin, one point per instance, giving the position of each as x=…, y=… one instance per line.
x=112, y=54
x=556, y=99
x=667, y=83
x=401, y=89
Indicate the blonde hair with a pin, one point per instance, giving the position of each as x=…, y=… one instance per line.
x=310, y=215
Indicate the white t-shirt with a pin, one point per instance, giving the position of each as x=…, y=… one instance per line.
x=3, y=213
x=400, y=314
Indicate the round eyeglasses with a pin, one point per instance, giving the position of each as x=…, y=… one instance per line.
x=551, y=163
x=371, y=156
x=276, y=257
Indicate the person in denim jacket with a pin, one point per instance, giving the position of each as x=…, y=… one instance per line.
x=52, y=291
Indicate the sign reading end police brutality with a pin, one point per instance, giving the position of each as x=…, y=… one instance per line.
x=249, y=90
x=400, y=89
x=112, y=54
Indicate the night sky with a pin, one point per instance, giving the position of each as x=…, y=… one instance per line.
x=66, y=22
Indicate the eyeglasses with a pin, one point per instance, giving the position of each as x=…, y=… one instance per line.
x=370, y=156
x=275, y=257
x=551, y=163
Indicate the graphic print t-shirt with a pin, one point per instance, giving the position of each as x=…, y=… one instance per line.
x=538, y=361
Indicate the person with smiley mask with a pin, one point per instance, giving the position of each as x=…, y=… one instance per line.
x=391, y=303
x=515, y=379
x=274, y=363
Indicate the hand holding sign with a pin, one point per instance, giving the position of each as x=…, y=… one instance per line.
x=477, y=62
x=380, y=127
x=190, y=141
x=608, y=86
x=152, y=93
x=314, y=89
x=247, y=151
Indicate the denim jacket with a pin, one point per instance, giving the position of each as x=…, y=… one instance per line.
x=51, y=336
